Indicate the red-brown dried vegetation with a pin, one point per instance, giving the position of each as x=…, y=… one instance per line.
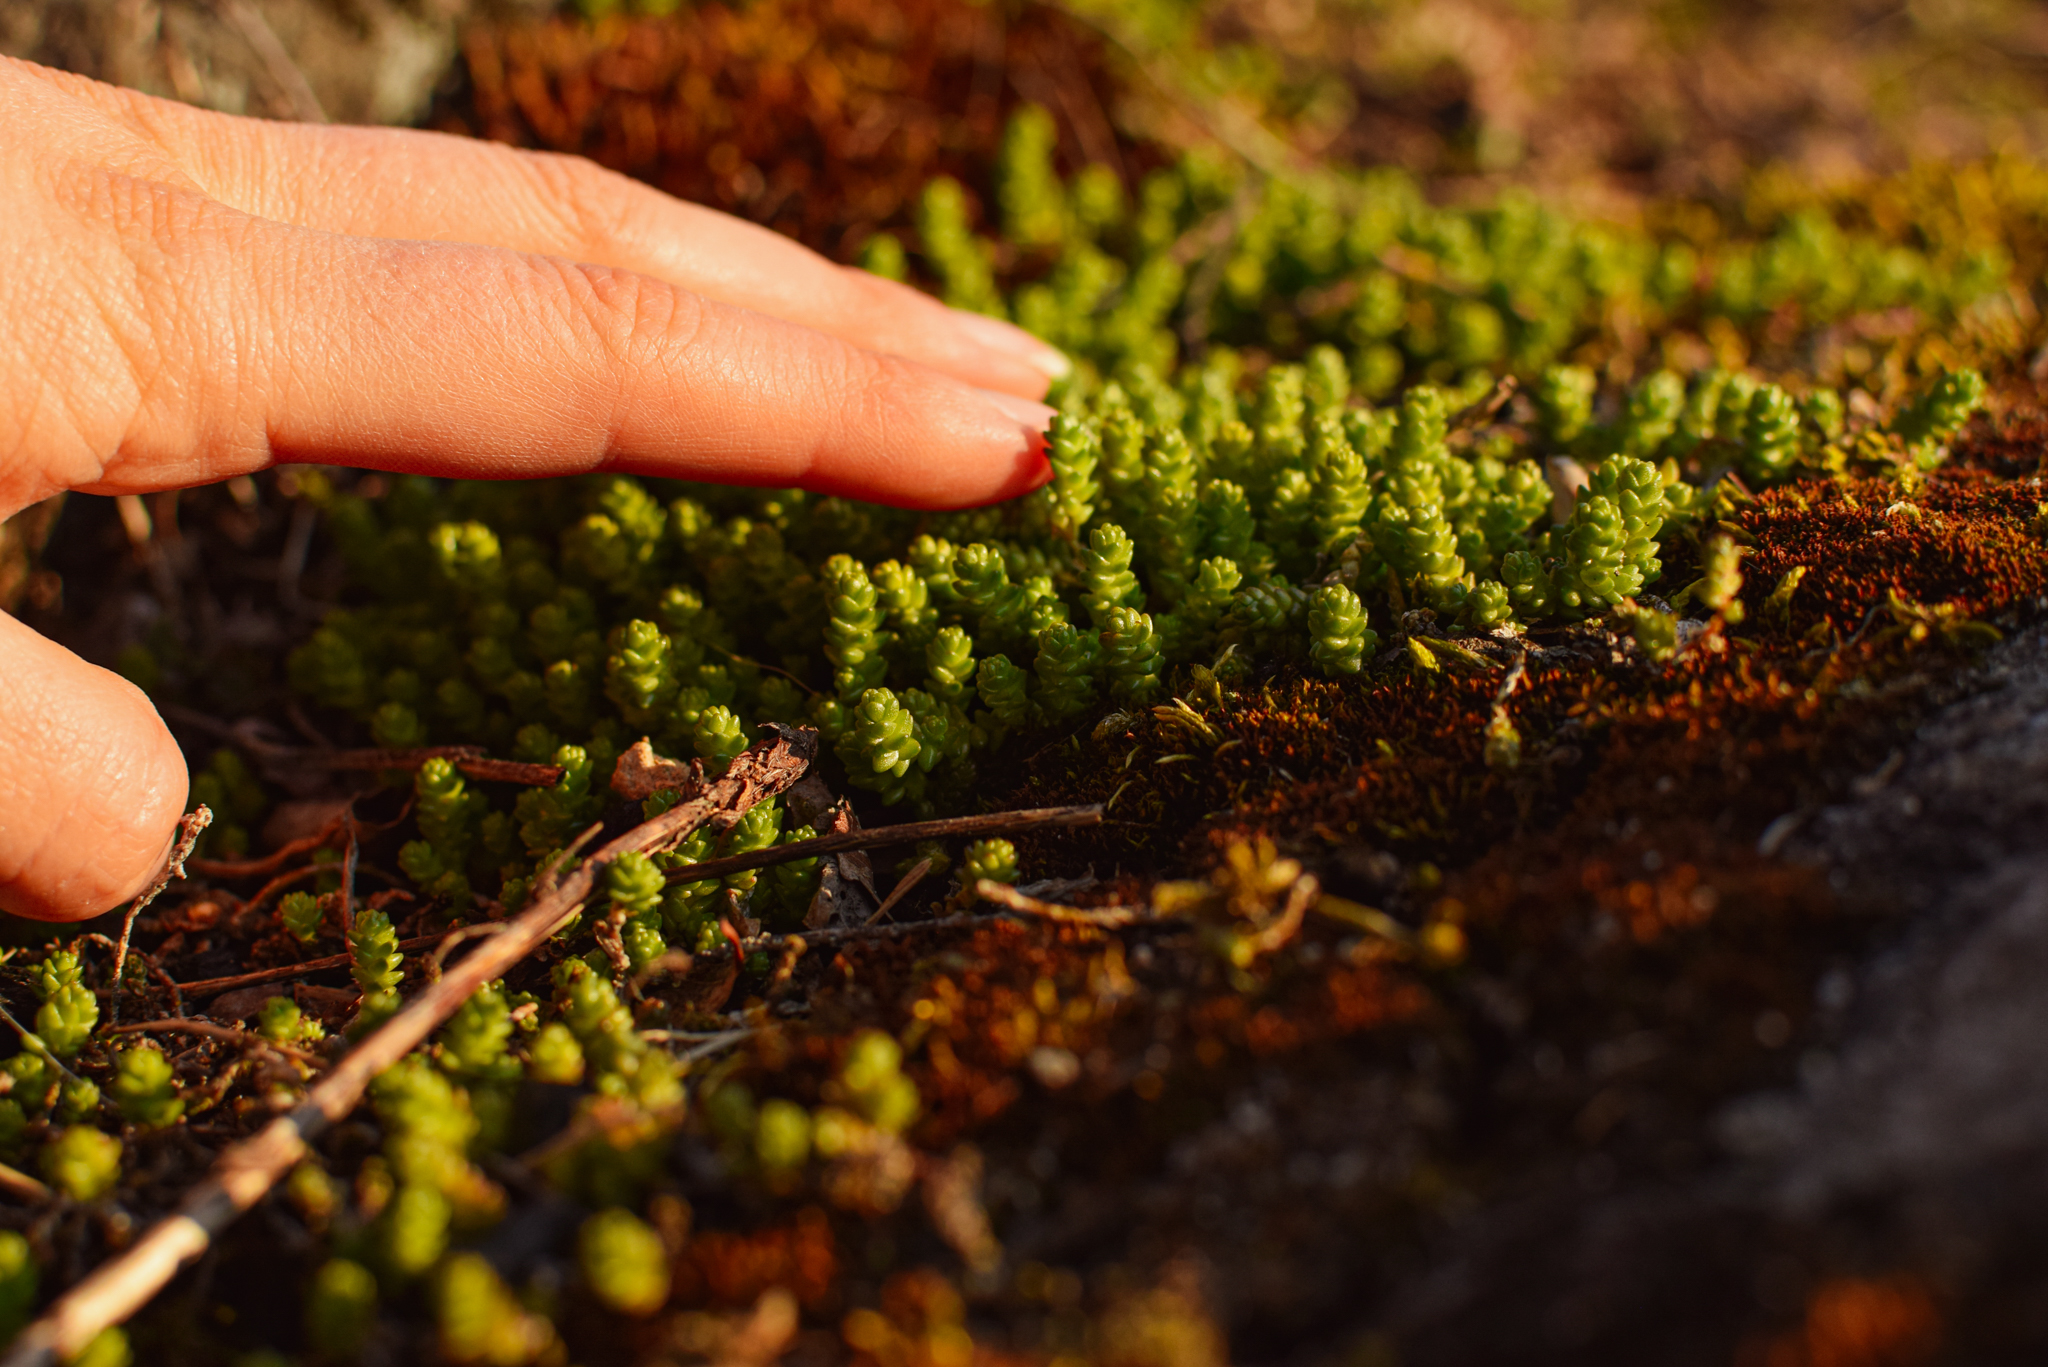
x=822, y=118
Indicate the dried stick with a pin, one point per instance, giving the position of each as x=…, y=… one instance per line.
x=221, y=1032
x=908, y=834
x=206, y=987
x=276, y=58
x=1003, y=895
x=1481, y=412
x=345, y=910
x=279, y=883
x=19, y=1183
x=189, y=827
x=250, y=868
x=1109, y=917
x=467, y=758
x=270, y=863
x=901, y=890
x=470, y=759
x=244, y=1173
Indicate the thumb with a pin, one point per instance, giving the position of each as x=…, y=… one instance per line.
x=93, y=787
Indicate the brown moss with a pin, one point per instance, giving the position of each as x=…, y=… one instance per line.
x=821, y=118
x=1962, y=540
x=730, y=1268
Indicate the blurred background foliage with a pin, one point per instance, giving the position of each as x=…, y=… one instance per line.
x=1597, y=98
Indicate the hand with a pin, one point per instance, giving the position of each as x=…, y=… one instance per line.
x=190, y=296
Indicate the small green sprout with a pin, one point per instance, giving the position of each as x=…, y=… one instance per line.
x=1339, y=639
x=66, y=1020
x=554, y=1056
x=18, y=1280
x=82, y=1162
x=623, y=1261
x=301, y=914
x=481, y=1321
x=281, y=1022
x=341, y=1309
x=144, y=1089
x=414, y=1229
x=782, y=1136
x=375, y=960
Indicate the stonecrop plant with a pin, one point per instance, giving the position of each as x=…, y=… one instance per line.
x=1214, y=505
x=1371, y=430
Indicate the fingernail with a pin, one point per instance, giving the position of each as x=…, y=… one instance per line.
x=1035, y=416
x=997, y=335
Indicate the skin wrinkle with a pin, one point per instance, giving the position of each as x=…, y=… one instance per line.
x=178, y=245
x=555, y=205
x=93, y=413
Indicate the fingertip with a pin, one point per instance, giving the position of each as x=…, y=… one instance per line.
x=95, y=789
x=1034, y=416
x=1013, y=341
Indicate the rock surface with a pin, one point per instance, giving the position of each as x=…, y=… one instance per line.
x=1895, y=1187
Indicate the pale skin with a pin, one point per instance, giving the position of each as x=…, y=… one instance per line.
x=188, y=296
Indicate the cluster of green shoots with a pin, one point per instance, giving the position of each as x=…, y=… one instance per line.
x=54, y=1100
x=403, y=1224
x=1410, y=290
x=1212, y=522
x=848, y=1144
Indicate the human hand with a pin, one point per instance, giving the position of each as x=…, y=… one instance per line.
x=191, y=296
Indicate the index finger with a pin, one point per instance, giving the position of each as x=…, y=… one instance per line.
x=476, y=361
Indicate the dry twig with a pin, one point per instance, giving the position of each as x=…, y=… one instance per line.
x=189, y=827
x=993, y=823
x=205, y=987
x=19, y=1183
x=902, y=889
x=244, y=1173
x=209, y=1030
x=1003, y=895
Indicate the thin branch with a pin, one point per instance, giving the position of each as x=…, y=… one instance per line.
x=19, y=1183
x=1003, y=895
x=206, y=987
x=758, y=664
x=713, y=1046
x=467, y=758
x=902, y=889
x=270, y=863
x=276, y=58
x=208, y=1029
x=251, y=868
x=281, y=882
x=247, y=1171
x=470, y=759
x=33, y=1042
x=1482, y=411
x=346, y=912
x=189, y=827
x=456, y=936
x=156, y=970
x=908, y=834
x=886, y=930
x=1235, y=128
